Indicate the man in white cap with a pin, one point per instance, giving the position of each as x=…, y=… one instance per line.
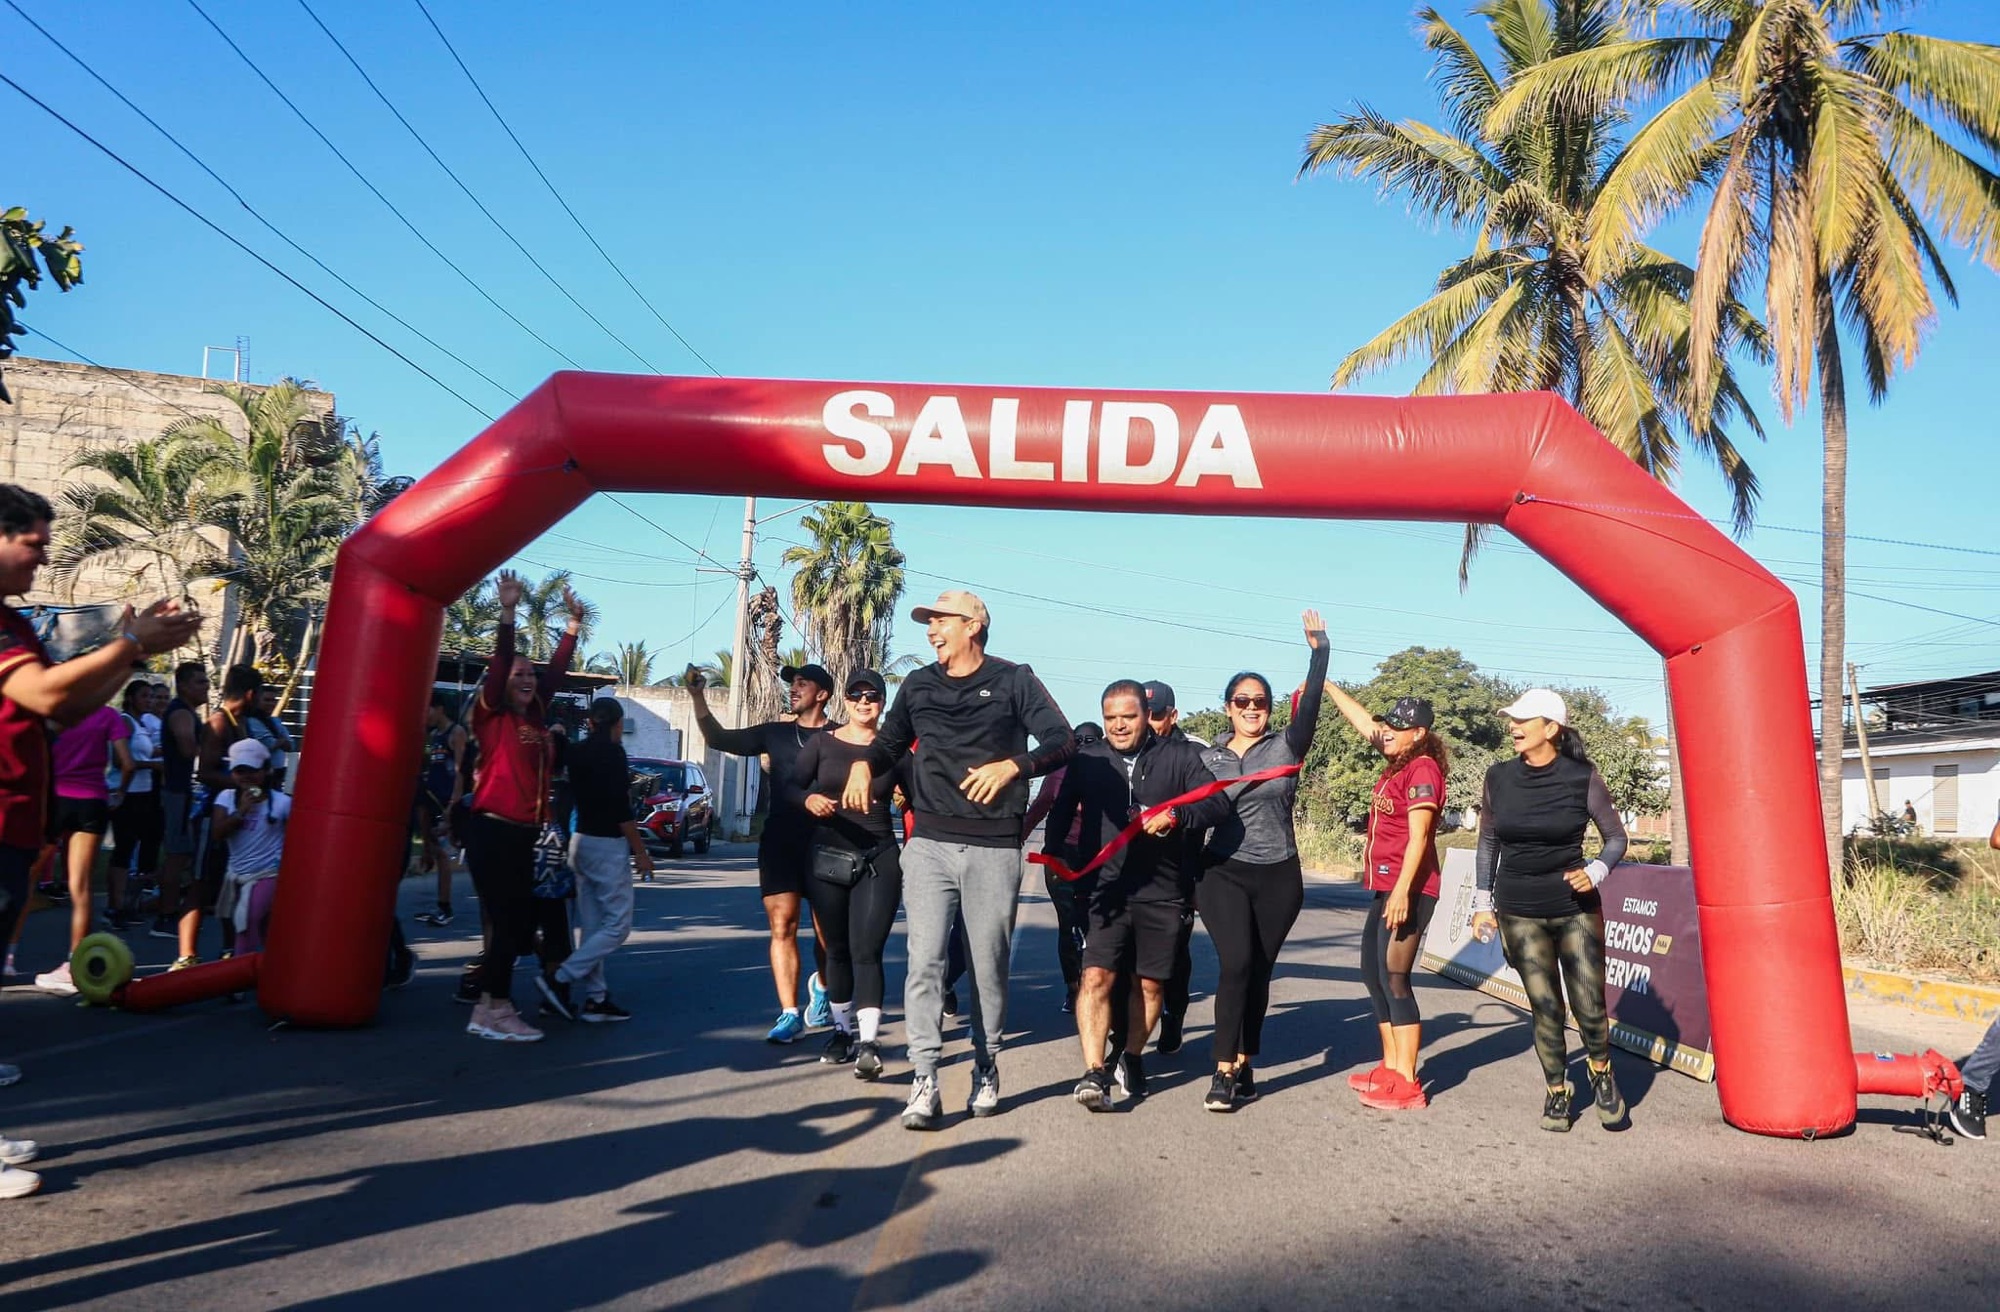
x=974, y=714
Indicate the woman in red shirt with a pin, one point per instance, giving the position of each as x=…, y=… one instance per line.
x=510, y=804
x=1400, y=866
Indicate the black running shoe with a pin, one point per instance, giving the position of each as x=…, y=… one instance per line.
x=1968, y=1114
x=164, y=928
x=437, y=919
x=1221, y=1092
x=1555, y=1110
x=1246, y=1084
x=839, y=1049
x=1170, y=1035
x=402, y=968
x=867, y=1060
x=555, y=994
x=1131, y=1075
x=602, y=1011
x=1610, y=1103
x=1093, y=1091
x=1069, y=1002
x=951, y=1004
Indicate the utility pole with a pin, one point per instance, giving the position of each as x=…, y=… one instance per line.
x=1876, y=807
x=739, y=674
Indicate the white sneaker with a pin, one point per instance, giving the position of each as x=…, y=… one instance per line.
x=502, y=1024
x=17, y=1183
x=925, y=1108
x=9, y=1075
x=18, y=1152
x=985, y=1099
x=56, y=981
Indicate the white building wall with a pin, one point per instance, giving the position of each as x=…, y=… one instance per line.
x=1913, y=779
x=660, y=723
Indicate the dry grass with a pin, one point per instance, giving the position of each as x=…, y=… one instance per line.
x=1938, y=915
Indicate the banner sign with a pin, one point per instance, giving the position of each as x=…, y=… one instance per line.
x=1653, y=983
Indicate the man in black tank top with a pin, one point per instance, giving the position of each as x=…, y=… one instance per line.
x=227, y=725
x=180, y=745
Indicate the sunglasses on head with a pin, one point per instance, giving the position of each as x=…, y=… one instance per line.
x=1248, y=702
x=863, y=695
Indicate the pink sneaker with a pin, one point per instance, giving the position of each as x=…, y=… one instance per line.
x=502, y=1024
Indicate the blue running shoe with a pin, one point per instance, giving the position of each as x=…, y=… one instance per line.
x=788, y=1029
x=819, y=1009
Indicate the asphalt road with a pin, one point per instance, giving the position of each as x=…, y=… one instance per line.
x=197, y=1160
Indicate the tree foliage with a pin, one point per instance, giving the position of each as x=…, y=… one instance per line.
x=27, y=252
x=845, y=586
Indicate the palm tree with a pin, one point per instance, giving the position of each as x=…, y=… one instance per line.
x=469, y=622
x=846, y=584
x=1560, y=293
x=1832, y=147
x=543, y=617
x=721, y=670
x=153, y=502
x=633, y=664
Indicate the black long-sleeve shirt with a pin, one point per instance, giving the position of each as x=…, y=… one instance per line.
x=1109, y=788
x=1531, y=823
x=782, y=741
x=965, y=722
x=822, y=768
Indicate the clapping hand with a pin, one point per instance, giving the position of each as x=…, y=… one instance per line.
x=161, y=627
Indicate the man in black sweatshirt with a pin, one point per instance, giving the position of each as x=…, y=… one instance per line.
x=969, y=792
x=1144, y=888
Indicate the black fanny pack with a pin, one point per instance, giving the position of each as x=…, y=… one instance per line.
x=841, y=867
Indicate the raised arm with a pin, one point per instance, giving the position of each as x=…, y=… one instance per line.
x=1299, y=733
x=1610, y=828
x=565, y=652
x=493, y=688
x=1352, y=711
x=68, y=691
x=748, y=741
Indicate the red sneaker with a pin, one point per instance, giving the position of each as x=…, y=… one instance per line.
x=1392, y=1093
x=1360, y=1080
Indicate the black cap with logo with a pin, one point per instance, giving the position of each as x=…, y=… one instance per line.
x=817, y=673
x=1409, y=713
x=1159, y=697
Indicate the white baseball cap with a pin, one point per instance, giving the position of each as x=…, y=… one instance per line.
x=248, y=754
x=1538, y=704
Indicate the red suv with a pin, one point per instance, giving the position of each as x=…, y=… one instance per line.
x=671, y=801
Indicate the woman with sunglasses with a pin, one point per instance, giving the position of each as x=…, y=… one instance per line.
x=1532, y=815
x=856, y=878
x=1252, y=890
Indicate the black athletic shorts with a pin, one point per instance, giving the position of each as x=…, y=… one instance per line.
x=1139, y=938
x=82, y=815
x=784, y=860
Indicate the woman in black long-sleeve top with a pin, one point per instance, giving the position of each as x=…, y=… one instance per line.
x=1531, y=871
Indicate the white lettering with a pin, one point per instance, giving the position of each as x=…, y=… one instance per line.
x=1621, y=937
x=1221, y=447
x=1076, y=442
x=1000, y=454
x=938, y=437
x=1628, y=975
x=1114, y=441
x=877, y=448
x=1639, y=906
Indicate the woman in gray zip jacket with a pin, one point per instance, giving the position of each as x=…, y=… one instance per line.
x=1252, y=889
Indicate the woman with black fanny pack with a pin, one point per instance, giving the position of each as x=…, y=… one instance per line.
x=856, y=880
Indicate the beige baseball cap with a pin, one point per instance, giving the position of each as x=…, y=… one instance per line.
x=965, y=605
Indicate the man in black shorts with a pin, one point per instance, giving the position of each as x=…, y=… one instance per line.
x=1144, y=888
x=784, y=853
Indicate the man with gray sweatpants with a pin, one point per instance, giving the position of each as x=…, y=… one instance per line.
x=973, y=715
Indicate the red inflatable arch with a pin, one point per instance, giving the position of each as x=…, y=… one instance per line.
x=1728, y=629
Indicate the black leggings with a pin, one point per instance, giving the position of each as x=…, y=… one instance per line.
x=1069, y=898
x=137, y=826
x=1387, y=959
x=1539, y=948
x=501, y=856
x=855, y=922
x=1248, y=910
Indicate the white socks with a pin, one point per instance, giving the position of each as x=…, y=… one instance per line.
x=871, y=1022
x=843, y=1017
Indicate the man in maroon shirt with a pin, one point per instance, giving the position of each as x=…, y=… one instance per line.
x=33, y=692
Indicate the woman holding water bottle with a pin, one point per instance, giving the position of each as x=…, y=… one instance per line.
x=1536, y=890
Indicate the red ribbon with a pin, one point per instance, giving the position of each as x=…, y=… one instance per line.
x=1132, y=831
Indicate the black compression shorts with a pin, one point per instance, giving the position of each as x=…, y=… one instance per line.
x=784, y=860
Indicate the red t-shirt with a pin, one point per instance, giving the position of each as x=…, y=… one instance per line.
x=515, y=753
x=1416, y=786
x=24, y=744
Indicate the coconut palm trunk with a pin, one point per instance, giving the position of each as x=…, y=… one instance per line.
x=1832, y=577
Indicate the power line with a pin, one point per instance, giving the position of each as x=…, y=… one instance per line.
x=377, y=191
x=437, y=159
x=252, y=210
x=210, y=224
x=580, y=225
x=115, y=373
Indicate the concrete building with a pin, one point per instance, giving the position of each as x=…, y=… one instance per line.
x=61, y=409
x=1934, y=745
x=659, y=722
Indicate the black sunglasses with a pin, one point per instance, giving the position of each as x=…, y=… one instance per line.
x=863, y=695
x=1246, y=703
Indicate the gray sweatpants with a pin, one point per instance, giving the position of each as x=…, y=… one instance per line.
x=983, y=885
x=603, y=869
x=1984, y=1063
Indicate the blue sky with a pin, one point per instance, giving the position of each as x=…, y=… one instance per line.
x=1100, y=197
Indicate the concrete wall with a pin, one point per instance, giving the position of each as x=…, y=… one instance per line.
x=60, y=409
x=1913, y=778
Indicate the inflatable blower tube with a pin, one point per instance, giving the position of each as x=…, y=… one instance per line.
x=1907, y=1075
x=174, y=987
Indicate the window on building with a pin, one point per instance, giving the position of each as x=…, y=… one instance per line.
x=1944, y=799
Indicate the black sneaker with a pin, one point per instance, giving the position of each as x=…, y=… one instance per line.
x=467, y=994
x=1555, y=1110
x=602, y=1011
x=1170, y=1035
x=1131, y=1075
x=555, y=994
x=1968, y=1114
x=1093, y=1091
x=1069, y=1002
x=437, y=919
x=839, y=1049
x=164, y=928
x=1246, y=1084
x=402, y=968
x=951, y=1004
x=1221, y=1092
x=867, y=1060
x=1610, y=1103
